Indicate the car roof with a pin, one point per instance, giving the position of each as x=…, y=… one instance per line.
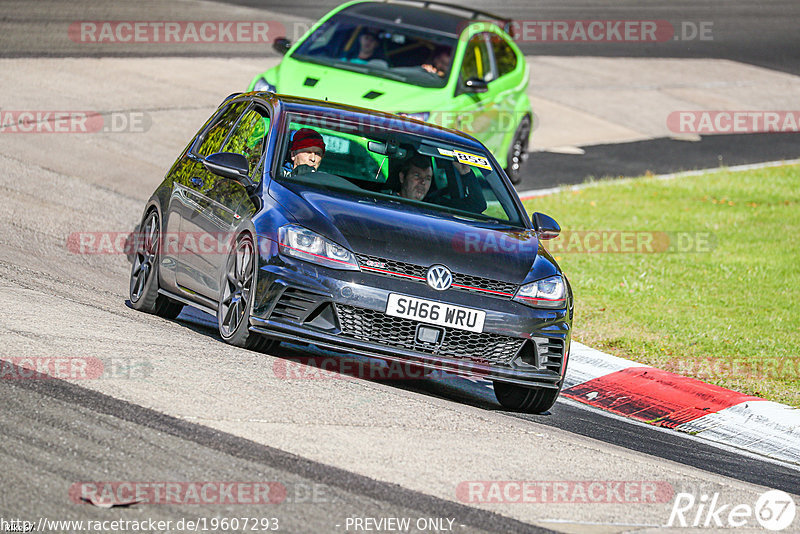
x=434, y=17
x=289, y=103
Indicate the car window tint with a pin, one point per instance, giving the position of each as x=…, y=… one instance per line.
x=248, y=136
x=364, y=158
x=476, y=63
x=504, y=55
x=347, y=156
x=216, y=134
x=399, y=53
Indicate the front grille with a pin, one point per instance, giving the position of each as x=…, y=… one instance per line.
x=375, y=326
x=411, y=271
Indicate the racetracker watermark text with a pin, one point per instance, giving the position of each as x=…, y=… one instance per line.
x=586, y=31
x=204, y=492
x=342, y=368
x=733, y=121
x=73, y=368
x=588, y=242
x=578, y=241
x=73, y=122
x=175, y=31
x=740, y=369
x=564, y=491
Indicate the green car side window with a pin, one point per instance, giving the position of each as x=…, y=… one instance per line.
x=476, y=63
x=503, y=54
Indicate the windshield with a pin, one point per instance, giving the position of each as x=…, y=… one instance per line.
x=394, y=163
x=351, y=43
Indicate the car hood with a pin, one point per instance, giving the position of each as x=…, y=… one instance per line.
x=394, y=230
x=295, y=77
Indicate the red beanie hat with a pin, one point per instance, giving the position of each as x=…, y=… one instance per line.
x=305, y=138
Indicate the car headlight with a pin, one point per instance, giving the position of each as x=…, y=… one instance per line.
x=422, y=115
x=550, y=292
x=263, y=85
x=302, y=243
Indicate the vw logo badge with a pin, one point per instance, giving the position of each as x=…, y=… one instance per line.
x=439, y=277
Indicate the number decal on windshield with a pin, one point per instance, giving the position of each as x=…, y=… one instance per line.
x=472, y=159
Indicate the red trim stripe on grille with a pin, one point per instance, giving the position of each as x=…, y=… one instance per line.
x=403, y=275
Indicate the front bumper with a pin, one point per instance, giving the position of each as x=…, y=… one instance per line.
x=301, y=302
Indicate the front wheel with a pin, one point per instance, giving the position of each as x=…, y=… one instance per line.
x=525, y=399
x=143, y=291
x=233, y=311
x=518, y=151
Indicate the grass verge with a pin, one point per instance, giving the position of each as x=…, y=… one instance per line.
x=699, y=275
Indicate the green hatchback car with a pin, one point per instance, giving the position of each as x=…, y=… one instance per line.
x=436, y=62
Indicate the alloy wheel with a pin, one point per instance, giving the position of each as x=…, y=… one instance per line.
x=237, y=287
x=145, y=258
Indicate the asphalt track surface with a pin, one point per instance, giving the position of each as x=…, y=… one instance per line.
x=658, y=156
x=56, y=433
x=576, y=418
x=318, y=497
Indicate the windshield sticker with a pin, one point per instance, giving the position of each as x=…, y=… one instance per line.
x=472, y=159
x=336, y=145
x=443, y=152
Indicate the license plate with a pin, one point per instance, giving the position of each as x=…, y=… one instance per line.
x=438, y=313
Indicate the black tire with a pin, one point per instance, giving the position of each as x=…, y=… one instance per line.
x=143, y=289
x=524, y=399
x=236, y=297
x=518, y=151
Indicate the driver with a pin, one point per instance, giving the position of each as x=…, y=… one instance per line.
x=415, y=177
x=368, y=47
x=306, y=151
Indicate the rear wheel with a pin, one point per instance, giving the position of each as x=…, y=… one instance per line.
x=233, y=311
x=518, y=151
x=143, y=292
x=525, y=399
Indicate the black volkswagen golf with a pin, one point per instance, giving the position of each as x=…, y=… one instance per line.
x=298, y=220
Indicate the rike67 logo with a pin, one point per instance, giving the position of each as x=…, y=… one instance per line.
x=774, y=510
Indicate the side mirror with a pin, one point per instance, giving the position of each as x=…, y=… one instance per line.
x=229, y=165
x=545, y=226
x=281, y=45
x=475, y=85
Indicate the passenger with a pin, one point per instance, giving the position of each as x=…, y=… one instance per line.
x=415, y=177
x=440, y=62
x=473, y=200
x=306, y=151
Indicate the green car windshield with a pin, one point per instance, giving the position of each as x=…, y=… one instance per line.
x=397, y=53
x=366, y=160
